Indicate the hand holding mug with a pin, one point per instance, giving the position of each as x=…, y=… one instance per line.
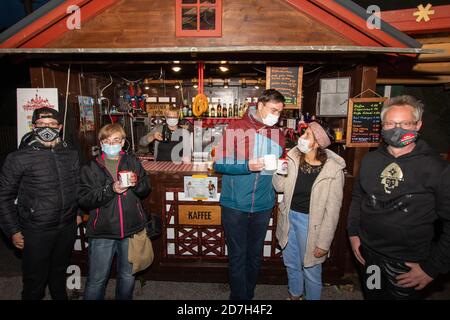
x=117, y=188
x=256, y=164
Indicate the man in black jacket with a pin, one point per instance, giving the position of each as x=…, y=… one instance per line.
x=38, y=205
x=402, y=189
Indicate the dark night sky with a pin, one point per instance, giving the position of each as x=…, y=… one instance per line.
x=11, y=11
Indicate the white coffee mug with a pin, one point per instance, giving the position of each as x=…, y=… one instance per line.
x=282, y=167
x=270, y=162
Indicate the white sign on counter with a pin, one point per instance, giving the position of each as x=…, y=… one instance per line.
x=200, y=187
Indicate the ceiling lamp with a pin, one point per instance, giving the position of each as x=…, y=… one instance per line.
x=176, y=68
x=258, y=84
x=195, y=83
x=224, y=68
x=225, y=84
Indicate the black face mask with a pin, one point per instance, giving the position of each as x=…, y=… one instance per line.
x=47, y=134
x=399, y=137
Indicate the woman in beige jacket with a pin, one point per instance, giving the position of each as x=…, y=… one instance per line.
x=309, y=212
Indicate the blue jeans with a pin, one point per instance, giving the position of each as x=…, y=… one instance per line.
x=244, y=234
x=301, y=280
x=101, y=253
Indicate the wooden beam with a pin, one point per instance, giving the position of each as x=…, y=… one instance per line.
x=88, y=11
x=52, y=25
x=442, y=56
x=405, y=21
x=333, y=22
x=359, y=23
x=41, y=24
x=223, y=49
x=414, y=81
x=432, y=67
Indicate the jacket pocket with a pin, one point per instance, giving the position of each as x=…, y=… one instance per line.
x=25, y=213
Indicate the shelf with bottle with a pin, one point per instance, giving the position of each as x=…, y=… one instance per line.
x=115, y=114
x=216, y=111
x=212, y=118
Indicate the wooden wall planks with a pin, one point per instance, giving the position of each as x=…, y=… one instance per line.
x=151, y=23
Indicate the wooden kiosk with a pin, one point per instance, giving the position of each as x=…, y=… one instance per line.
x=123, y=38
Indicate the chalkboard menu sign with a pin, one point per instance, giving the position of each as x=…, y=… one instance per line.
x=288, y=81
x=364, y=122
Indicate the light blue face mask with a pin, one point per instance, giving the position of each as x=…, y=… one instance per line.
x=111, y=150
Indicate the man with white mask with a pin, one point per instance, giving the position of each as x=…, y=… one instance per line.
x=168, y=139
x=247, y=196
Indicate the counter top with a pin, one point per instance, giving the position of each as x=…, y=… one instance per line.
x=168, y=166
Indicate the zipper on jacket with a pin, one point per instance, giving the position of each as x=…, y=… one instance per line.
x=121, y=217
x=58, y=172
x=119, y=200
x=96, y=218
x=254, y=191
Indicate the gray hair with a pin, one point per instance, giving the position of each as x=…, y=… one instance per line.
x=404, y=100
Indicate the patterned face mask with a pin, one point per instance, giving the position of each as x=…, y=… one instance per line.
x=399, y=137
x=47, y=134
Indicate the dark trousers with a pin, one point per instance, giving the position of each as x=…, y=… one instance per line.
x=46, y=256
x=389, y=270
x=244, y=234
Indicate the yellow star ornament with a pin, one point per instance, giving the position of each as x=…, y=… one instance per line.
x=423, y=13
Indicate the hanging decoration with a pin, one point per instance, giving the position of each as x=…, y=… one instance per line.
x=200, y=104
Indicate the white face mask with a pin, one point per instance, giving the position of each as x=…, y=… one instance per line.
x=303, y=145
x=270, y=120
x=172, y=121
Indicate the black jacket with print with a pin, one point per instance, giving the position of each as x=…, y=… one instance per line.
x=38, y=187
x=396, y=202
x=112, y=215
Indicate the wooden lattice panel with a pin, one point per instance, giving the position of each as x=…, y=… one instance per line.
x=187, y=241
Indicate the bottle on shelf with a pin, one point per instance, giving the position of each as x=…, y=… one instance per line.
x=190, y=111
x=230, y=111
x=219, y=110
x=224, y=110
x=302, y=126
x=212, y=111
x=245, y=106
x=307, y=118
x=235, y=108
x=185, y=110
x=180, y=113
x=241, y=111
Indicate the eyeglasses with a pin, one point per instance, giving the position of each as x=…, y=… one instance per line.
x=402, y=124
x=50, y=124
x=113, y=141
